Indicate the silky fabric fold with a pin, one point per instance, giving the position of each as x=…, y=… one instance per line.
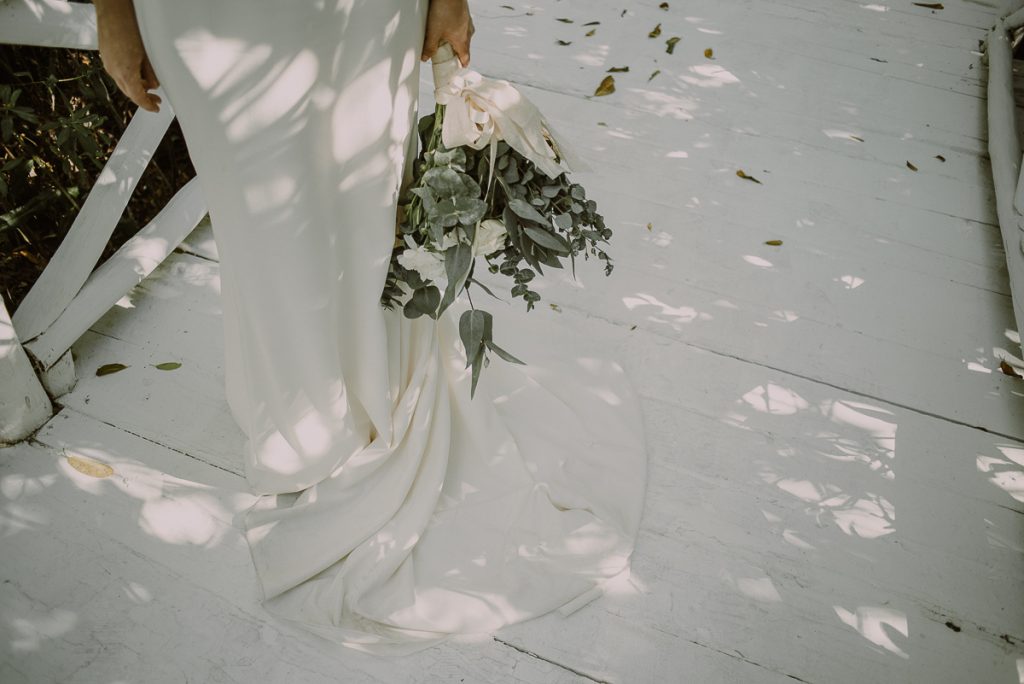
x=397, y=511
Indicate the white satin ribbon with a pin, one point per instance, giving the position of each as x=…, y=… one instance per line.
x=481, y=111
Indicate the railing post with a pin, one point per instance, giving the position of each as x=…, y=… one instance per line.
x=1005, y=154
x=24, y=404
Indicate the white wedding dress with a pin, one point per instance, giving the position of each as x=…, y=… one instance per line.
x=399, y=512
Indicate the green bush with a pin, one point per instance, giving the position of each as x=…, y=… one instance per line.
x=61, y=116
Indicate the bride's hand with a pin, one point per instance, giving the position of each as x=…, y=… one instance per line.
x=123, y=54
x=448, y=20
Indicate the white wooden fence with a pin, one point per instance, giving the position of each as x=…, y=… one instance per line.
x=36, y=364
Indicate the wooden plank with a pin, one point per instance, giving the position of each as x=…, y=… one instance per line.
x=49, y=23
x=748, y=69
x=183, y=409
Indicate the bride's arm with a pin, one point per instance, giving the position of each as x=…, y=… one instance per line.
x=123, y=54
x=448, y=20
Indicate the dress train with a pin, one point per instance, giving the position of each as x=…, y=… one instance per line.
x=398, y=512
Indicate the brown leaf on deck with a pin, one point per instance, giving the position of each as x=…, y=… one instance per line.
x=88, y=466
x=607, y=86
x=744, y=176
x=108, y=368
x=1008, y=369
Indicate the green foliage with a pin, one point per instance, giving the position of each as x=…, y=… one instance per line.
x=545, y=220
x=61, y=116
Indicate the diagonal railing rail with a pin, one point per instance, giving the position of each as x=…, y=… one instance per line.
x=36, y=364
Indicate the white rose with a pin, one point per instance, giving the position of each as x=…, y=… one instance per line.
x=429, y=265
x=490, y=237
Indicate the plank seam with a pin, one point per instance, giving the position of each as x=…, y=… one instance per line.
x=62, y=407
x=552, y=662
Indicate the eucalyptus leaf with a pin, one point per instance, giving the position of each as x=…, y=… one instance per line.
x=458, y=259
x=444, y=181
x=485, y=288
x=471, y=332
x=526, y=211
x=547, y=239
x=502, y=353
x=477, y=361
x=469, y=210
x=546, y=256
x=423, y=301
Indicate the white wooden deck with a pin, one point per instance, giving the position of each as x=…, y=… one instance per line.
x=836, y=460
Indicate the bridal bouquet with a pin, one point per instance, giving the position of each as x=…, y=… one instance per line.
x=489, y=181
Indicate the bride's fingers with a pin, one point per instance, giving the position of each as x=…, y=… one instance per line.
x=149, y=76
x=135, y=89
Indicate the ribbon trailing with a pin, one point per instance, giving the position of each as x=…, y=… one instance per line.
x=480, y=111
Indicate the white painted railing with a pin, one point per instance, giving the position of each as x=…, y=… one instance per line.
x=1004, y=149
x=36, y=365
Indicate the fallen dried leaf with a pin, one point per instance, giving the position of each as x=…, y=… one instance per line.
x=555, y=307
x=671, y=43
x=590, y=32
x=649, y=226
x=1008, y=369
x=663, y=5
x=709, y=53
x=607, y=86
x=940, y=157
x=617, y=69
x=858, y=139
x=930, y=5
x=564, y=42
x=88, y=466
x=774, y=243
x=911, y=166
x=653, y=74
x=746, y=177
x=655, y=32
x=169, y=365
x=567, y=21
x=108, y=368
